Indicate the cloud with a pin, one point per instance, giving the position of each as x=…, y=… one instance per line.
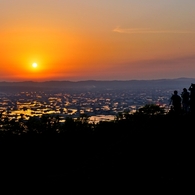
x=174, y=62
x=149, y=31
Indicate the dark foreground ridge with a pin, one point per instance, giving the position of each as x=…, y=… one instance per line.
x=138, y=152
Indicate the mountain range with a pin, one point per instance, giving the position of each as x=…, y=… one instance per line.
x=178, y=83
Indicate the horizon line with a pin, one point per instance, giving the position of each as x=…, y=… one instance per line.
x=25, y=81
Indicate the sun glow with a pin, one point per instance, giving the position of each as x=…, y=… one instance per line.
x=34, y=65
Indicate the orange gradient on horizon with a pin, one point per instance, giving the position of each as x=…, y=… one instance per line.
x=96, y=39
x=64, y=55
x=57, y=54
x=23, y=48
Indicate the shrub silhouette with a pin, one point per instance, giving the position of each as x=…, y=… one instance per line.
x=151, y=109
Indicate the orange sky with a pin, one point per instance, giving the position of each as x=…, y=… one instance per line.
x=96, y=39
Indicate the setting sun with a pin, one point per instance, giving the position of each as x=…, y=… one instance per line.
x=52, y=42
x=34, y=65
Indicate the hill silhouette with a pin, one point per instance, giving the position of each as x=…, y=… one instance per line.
x=142, y=149
x=94, y=84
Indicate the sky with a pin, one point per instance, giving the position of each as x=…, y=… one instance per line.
x=96, y=39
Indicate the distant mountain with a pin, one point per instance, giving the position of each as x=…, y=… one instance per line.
x=178, y=83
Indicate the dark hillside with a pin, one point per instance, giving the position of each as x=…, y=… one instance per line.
x=138, y=151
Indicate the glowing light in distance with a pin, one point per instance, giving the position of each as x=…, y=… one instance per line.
x=34, y=65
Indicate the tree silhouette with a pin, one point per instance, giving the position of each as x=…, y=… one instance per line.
x=151, y=109
x=83, y=118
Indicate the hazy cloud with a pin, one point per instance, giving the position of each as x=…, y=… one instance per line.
x=149, y=31
x=174, y=63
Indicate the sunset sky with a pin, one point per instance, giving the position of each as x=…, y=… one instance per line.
x=96, y=39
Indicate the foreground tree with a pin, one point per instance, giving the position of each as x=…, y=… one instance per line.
x=151, y=109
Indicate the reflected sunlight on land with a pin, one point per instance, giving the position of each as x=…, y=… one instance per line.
x=98, y=118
